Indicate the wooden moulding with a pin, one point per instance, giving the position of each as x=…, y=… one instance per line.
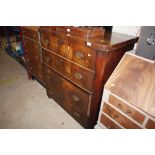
x=76, y=31
x=82, y=31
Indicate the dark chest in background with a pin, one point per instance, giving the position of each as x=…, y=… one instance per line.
x=74, y=65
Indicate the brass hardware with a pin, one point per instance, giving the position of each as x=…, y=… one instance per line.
x=75, y=98
x=47, y=59
x=115, y=116
x=79, y=55
x=77, y=114
x=78, y=76
x=119, y=105
x=46, y=41
x=128, y=112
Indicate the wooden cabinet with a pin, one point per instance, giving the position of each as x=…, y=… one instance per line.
x=128, y=98
x=33, y=53
x=77, y=64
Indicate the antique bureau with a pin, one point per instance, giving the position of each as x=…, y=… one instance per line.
x=129, y=95
x=76, y=67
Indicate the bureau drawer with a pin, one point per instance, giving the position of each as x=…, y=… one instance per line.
x=150, y=124
x=121, y=119
x=72, y=98
x=133, y=113
x=75, y=73
x=32, y=34
x=108, y=123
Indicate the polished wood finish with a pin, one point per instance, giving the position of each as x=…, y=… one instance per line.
x=33, y=53
x=128, y=110
x=108, y=123
x=121, y=119
x=150, y=124
x=74, y=100
x=75, y=73
x=31, y=32
x=133, y=81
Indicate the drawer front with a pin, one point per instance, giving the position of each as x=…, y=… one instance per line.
x=75, y=73
x=137, y=116
x=108, y=123
x=115, y=115
x=74, y=50
x=72, y=98
x=49, y=41
x=30, y=34
x=78, y=52
x=150, y=124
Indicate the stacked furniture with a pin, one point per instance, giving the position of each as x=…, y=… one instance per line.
x=76, y=63
x=129, y=95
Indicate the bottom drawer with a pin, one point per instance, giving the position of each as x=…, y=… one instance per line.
x=108, y=123
x=73, y=99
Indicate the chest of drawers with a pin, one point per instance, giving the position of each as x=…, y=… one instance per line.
x=128, y=98
x=75, y=68
x=33, y=52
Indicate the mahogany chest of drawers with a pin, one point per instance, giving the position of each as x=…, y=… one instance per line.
x=76, y=67
x=128, y=98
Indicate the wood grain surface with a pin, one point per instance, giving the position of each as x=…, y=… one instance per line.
x=134, y=81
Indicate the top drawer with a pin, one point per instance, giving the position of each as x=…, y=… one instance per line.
x=30, y=33
x=75, y=50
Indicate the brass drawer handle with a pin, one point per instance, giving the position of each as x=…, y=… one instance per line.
x=47, y=59
x=79, y=55
x=115, y=116
x=121, y=107
x=77, y=114
x=78, y=76
x=34, y=35
x=75, y=98
x=47, y=42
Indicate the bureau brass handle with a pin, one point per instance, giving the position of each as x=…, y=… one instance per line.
x=128, y=112
x=46, y=41
x=78, y=76
x=34, y=35
x=79, y=55
x=77, y=114
x=47, y=59
x=75, y=98
x=115, y=116
x=121, y=107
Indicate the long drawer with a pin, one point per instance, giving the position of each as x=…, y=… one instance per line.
x=72, y=49
x=121, y=119
x=75, y=73
x=128, y=110
x=74, y=100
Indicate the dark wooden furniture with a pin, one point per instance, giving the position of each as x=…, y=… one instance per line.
x=33, y=53
x=129, y=98
x=77, y=65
